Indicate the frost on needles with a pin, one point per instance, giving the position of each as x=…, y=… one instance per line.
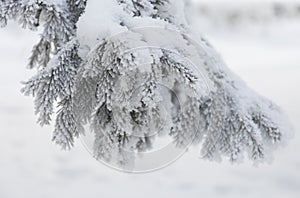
x=84, y=72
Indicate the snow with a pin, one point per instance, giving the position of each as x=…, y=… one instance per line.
x=32, y=166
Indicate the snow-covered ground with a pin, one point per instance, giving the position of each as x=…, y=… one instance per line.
x=267, y=57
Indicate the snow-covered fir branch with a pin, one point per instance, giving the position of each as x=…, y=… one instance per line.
x=117, y=90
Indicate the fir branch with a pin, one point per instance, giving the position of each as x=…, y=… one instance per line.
x=56, y=80
x=67, y=126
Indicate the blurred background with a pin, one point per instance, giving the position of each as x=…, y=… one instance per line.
x=259, y=40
